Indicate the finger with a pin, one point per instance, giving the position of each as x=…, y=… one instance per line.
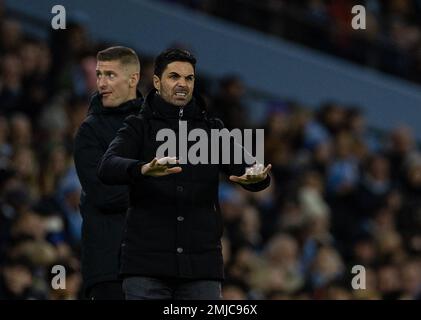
x=166, y=161
x=162, y=161
x=153, y=162
x=241, y=179
x=252, y=179
x=234, y=178
x=173, y=170
x=267, y=169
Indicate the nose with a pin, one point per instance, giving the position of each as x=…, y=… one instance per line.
x=101, y=82
x=181, y=82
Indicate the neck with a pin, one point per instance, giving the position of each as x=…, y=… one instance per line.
x=129, y=98
x=132, y=96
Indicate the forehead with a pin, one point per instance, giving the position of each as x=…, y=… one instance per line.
x=180, y=67
x=108, y=65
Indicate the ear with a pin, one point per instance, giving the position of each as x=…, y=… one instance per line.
x=134, y=79
x=157, y=83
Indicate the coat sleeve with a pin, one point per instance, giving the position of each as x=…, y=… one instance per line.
x=120, y=164
x=240, y=169
x=87, y=155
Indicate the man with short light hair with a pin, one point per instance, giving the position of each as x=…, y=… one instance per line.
x=103, y=207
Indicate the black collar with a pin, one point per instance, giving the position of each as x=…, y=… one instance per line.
x=156, y=107
x=126, y=107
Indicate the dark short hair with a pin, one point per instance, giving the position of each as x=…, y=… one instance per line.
x=123, y=54
x=172, y=55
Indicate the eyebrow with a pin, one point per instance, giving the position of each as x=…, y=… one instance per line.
x=176, y=74
x=105, y=71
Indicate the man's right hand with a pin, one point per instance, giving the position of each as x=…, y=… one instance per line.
x=160, y=167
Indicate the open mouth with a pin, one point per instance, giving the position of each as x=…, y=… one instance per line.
x=181, y=94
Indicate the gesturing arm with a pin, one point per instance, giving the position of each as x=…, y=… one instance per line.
x=120, y=163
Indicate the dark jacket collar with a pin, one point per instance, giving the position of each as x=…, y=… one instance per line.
x=96, y=107
x=155, y=107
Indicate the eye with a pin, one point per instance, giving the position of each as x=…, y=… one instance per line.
x=112, y=76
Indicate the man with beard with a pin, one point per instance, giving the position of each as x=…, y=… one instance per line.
x=172, y=242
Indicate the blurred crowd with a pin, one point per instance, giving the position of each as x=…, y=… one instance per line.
x=341, y=195
x=391, y=41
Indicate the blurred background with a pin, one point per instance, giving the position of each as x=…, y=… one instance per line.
x=340, y=108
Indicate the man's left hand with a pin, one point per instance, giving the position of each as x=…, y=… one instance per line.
x=251, y=178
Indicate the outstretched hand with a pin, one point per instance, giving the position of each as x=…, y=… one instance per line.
x=251, y=178
x=160, y=167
